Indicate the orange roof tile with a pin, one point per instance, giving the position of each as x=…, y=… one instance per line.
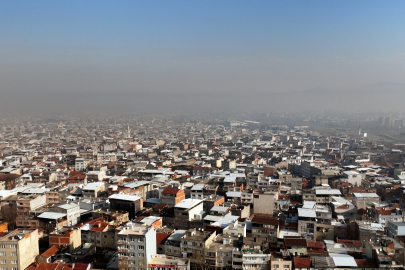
x=161, y=238
x=51, y=251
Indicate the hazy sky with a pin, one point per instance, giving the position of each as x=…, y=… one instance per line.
x=214, y=47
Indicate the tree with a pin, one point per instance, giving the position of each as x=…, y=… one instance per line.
x=9, y=215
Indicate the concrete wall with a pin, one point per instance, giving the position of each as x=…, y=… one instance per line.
x=27, y=249
x=264, y=204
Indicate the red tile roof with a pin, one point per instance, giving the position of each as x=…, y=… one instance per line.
x=265, y=220
x=161, y=238
x=315, y=244
x=366, y=263
x=385, y=212
x=293, y=202
x=76, y=173
x=159, y=206
x=170, y=191
x=302, y=262
x=81, y=266
x=99, y=226
x=77, y=177
x=300, y=242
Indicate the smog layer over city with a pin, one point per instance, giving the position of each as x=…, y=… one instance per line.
x=150, y=135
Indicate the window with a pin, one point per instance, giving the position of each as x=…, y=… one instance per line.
x=13, y=246
x=105, y=236
x=4, y=268
x=13, y=268
x=2, y=254
x=286, y=266
x=275, y=265
x=140, y=255
x=14, y=262
x=2, y=246
x=3, y=261
x=141, y=247
x=13, y=253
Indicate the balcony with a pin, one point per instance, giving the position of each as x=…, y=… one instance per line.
x=252, y=251
x=122, y=242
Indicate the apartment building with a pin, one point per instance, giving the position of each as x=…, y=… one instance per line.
x=136, y=246
x=263, y=202
x=197, y=191
x=172, y=246
x=172, y=196
x=66, y=237
x=129, y=203
x=265, y=226
x=26, y=203
x=93, y=190
x=187, y=210
x=99, y=233
x=194, y=244
x=220, y=253
x=71, y=210
x=364, y=200
x=19, y=249
x=395, y=228
x=81, y=163
x=94, y=176
x=281, y=261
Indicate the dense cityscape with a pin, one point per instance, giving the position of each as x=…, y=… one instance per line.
x=201, y=192
x=202, y=135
